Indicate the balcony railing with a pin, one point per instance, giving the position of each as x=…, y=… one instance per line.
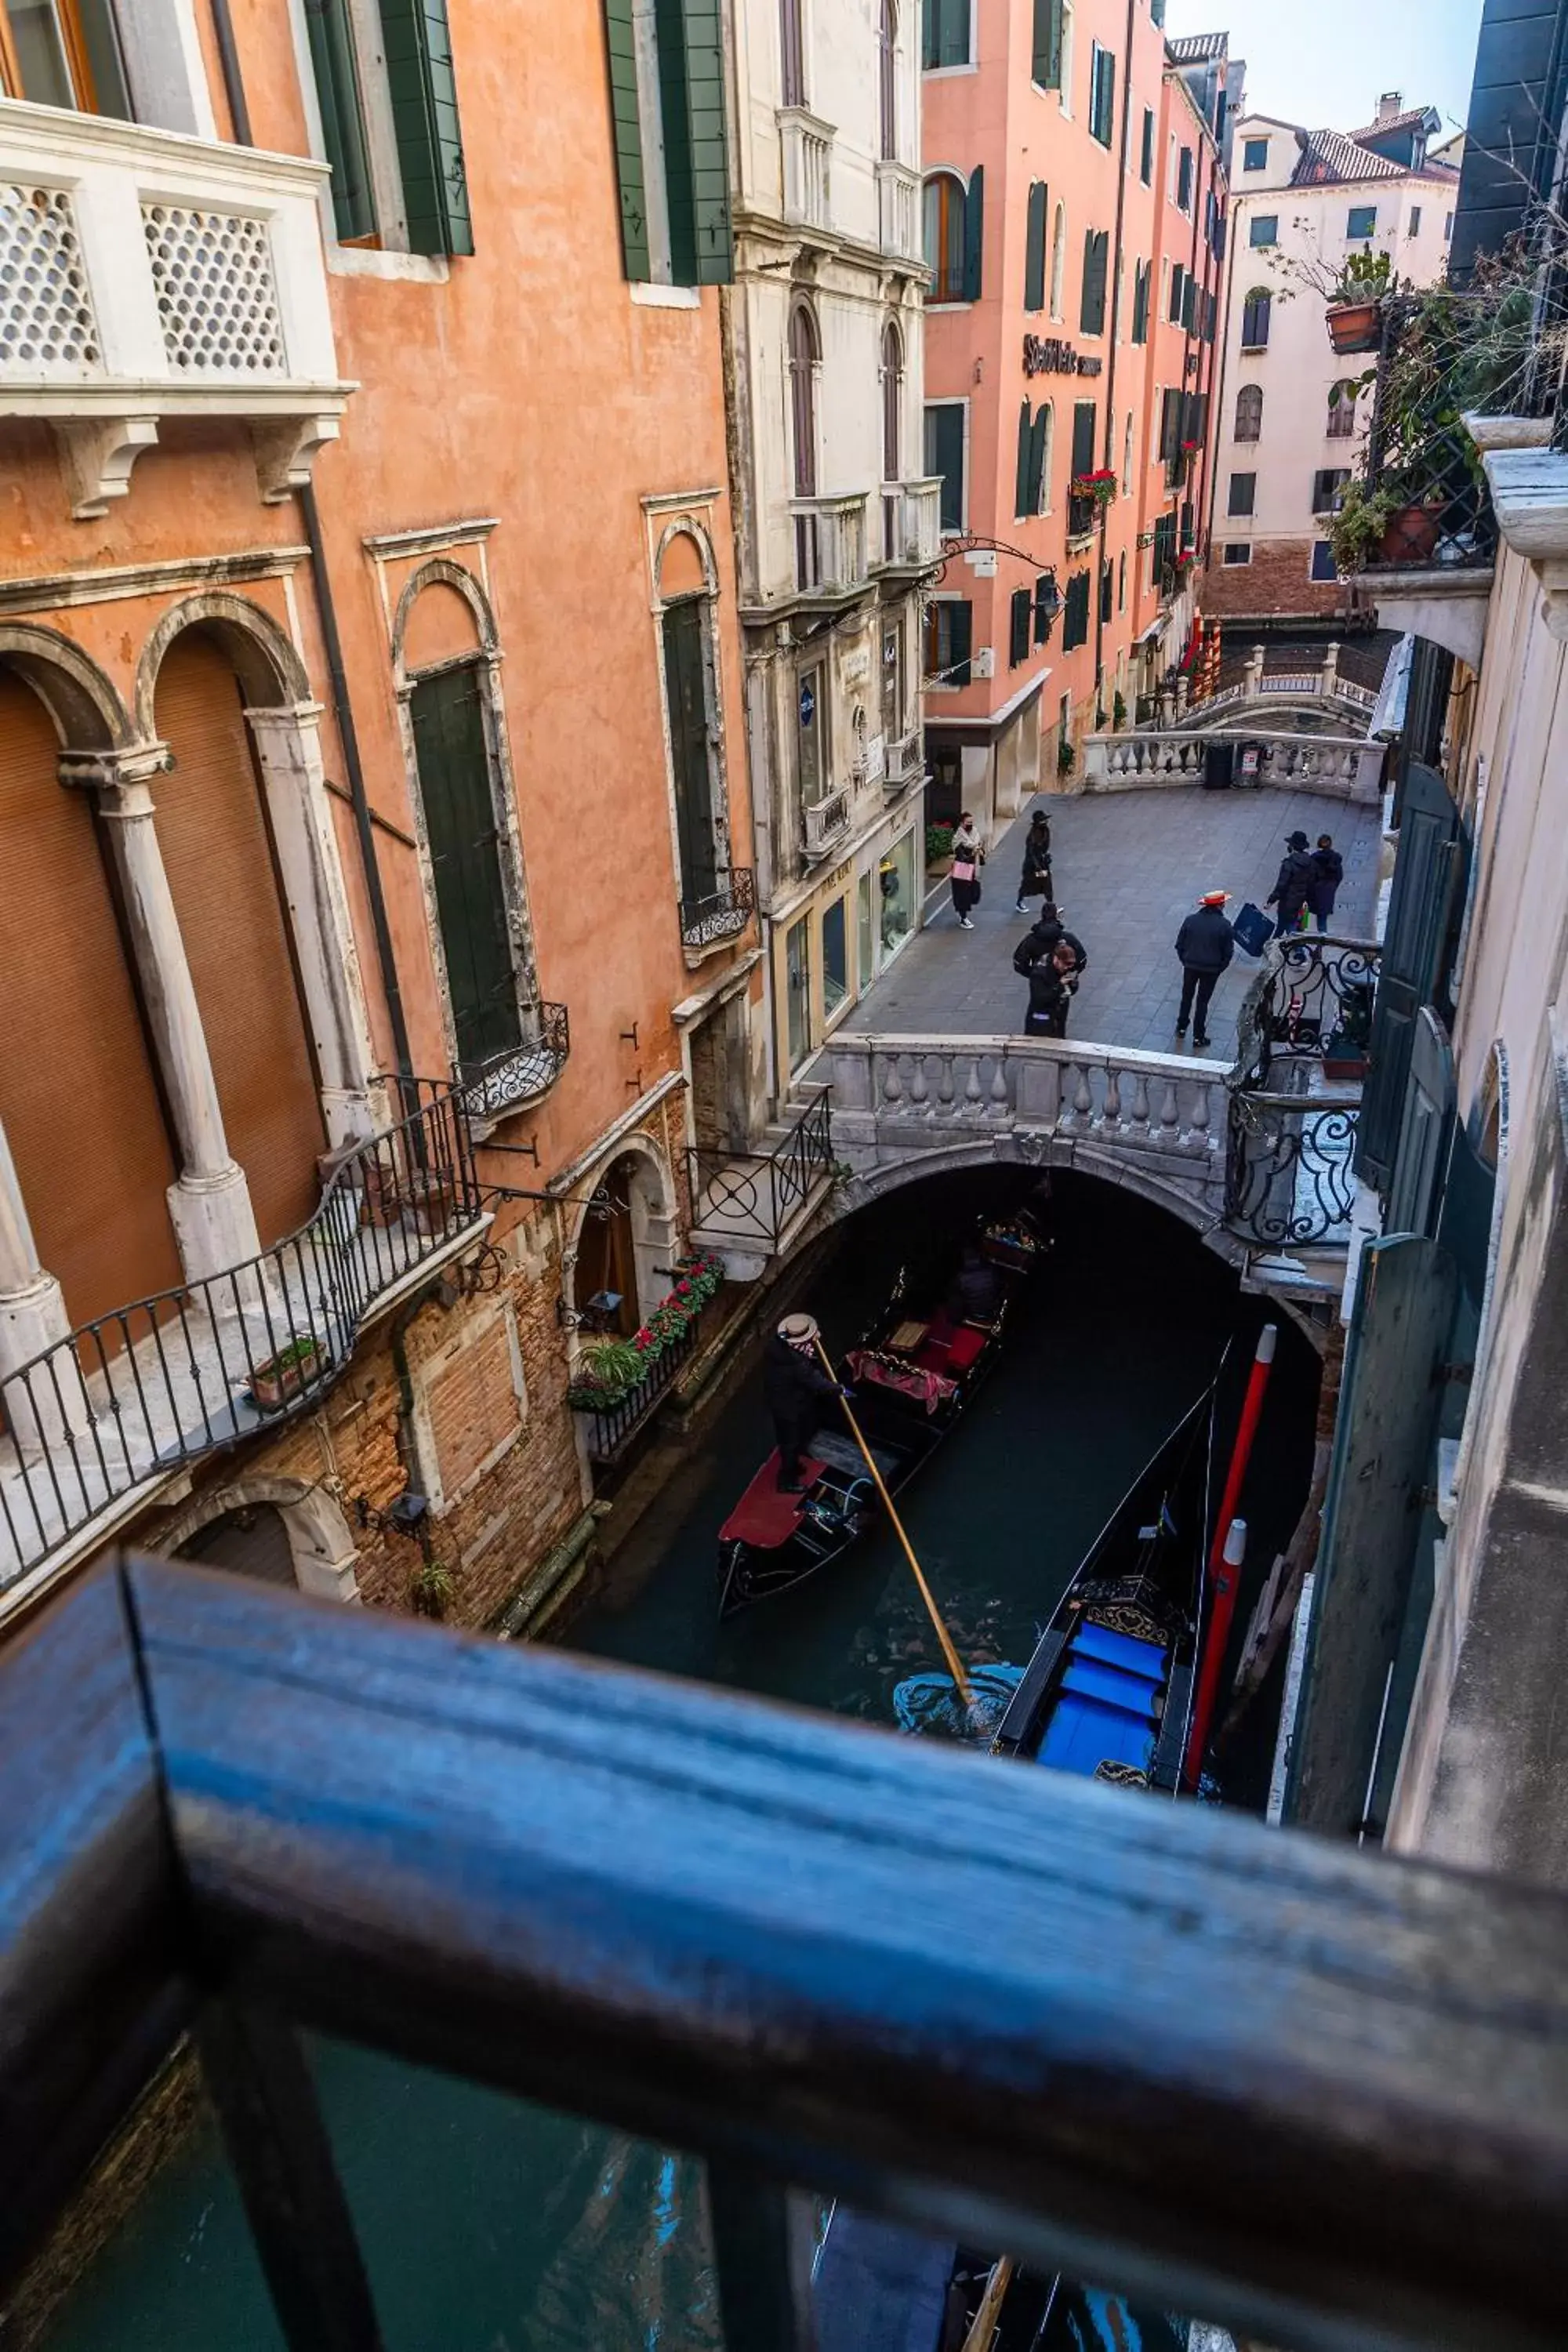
x=898, y=211
x=806, y=148
x=753, y=1198
x=912, y=523
x=905, y=763
x=722, y=914
x=508, y=1081
x=144, y=275
x=830, y=556
x=729, y=1928
x=128, y=1398
x=824, y=823
x=1291, y=1181
x=609, y=1429
x=1295, y=1110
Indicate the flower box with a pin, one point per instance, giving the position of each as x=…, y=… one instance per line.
x=276, y=1382
x=1355, y=327
x=635, y=1361
x=1411, y=536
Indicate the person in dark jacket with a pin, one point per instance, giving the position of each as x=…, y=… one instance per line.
x=1327, y=873
x=976, y=1293
x=1039, y=946
x=1206, y=945
x=796, y=1386
x=1036, y=879
x=1048, y=994
x=1289, y=892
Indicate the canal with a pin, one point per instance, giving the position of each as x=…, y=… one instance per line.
x=492, y=2226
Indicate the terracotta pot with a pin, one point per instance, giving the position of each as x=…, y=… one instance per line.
x=1355, y=327
x=1411, y=536
x=272, y=1386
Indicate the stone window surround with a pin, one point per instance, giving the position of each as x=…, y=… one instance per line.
x=669, y=516
x=392, y=260
x=474, y=1329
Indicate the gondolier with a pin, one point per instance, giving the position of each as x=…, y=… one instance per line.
x=796, y=1386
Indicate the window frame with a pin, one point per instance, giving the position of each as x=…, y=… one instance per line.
x=1248, y=147
x=75, y=57
x=1246, y=513
x=934, y=32
x=1237, y=555
x=927, y=459
x=1103, y=94
x=1321, y=579
x=1266, y=244
x=1249, y=403
x=1146, y=152
x=952, y=233
x=1259, y=308
x=933, y=668
x=1367, y=213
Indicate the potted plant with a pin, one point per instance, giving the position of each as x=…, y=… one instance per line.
x=1119, y=711
x=1359, y=524
x=1345, y=1051
x=282, y=1376
x=1099, y=488
x=939, y=844
x=432, y=1589
x=1355, y=302
x=1066, y=759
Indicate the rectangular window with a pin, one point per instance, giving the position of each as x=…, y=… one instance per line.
x=1257, y=314
x=1263, y=230
x=811, y=733
x=1019, y=618
x=418, y=50
x=1323, y=565
x=1189, y=303
x=1084, y=435
x=1362, y=221
x=1035, y=249
x=1243, y=498
x=1327, y=484
x=1075, y=622
x=693, y=736
x=1106, y=590
x=1237, y=551
x=1103, y=94
x=1165, y=552
x=1415, y=220
x=1141, y=278
x=1178, y=289
x=1342, y=412
x=1184, y=180
x=1255, y=155
x=336, y=74
x=835, y=956
x=1045, y=607
x=1171, y=408
x=944, y=456
x=1122, y=582
x=944, y=33
x=893, y=681
x=896, y=883
x=1146, y=158
x=797, y=987
x=949, y=641
x=64, y=53
x=670, y=137
x=1047, y=67
x=458, y=795
x=1096, y=276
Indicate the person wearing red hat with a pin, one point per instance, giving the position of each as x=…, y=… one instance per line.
x=1205, y=944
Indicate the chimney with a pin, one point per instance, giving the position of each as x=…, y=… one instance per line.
x=1391, y=103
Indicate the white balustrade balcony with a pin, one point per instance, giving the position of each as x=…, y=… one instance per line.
x=898, y=211
x=911, y=522
x=905, y=763
x=145, y=275
x=1345, y=768
x=824, y=823
x=807, y=150
x=830, y=555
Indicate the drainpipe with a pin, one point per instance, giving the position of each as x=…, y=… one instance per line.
x=1117, y=276
x=239, y=112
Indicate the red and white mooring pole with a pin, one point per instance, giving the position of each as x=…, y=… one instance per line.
x=1225, y=1558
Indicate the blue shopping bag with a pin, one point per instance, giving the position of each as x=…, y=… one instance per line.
x=1253, y=928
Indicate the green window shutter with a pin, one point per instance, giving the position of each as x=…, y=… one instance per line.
x=425, y=118
x=974, y=234
x=929, y=33
x=1037, y=461
x=953, y=40
x=626, y=118
x=1141, y=283
x=944, y=456
x=1107, y=590
x=1146, y=160
x=1018, y=627
x=342, y=120
x=1084, y=417
x=1096, y=269
x=1034, y=254
x=696, y=157
x=1047, y=68
x=459, y=801
x=1021, y=476
x=961, y=642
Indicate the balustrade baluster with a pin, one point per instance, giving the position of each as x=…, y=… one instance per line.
x=1110, y=1111
x=945, y=1104
x=973, y=1101
x=1170, y=1117
x=892, y=1087
x=1198, y=1139
x=919, y=1091
x=999, y=1109
x=1141, y=1104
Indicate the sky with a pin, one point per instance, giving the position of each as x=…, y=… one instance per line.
x=1324, y=64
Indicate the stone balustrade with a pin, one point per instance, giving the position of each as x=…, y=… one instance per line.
x=808, y=156
x=1342, y=767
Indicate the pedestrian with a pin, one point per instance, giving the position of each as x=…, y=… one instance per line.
x=1036, y=880
x=1049, y=989
x=1289, y=892
x=1327, y=873
x=1042, y=940
x=796, y=1386
x=968, y=858
x=1206, y=945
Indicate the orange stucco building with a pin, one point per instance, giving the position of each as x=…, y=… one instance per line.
x=373, y=805
x=1075, y=190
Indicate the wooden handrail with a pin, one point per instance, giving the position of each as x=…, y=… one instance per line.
x=1260, y=2076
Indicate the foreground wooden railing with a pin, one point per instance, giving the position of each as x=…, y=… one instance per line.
x=1258, y=2076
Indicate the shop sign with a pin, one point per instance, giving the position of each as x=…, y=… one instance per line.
x=857, y=667
x=1053, y=357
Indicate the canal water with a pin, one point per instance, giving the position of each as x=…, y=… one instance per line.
x=490, y=2225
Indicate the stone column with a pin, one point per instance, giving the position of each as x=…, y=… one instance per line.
x=289, y=753
x=1254, y=674
x=33, y=1319
x=1183, y=694
x=210, y=1203
x=1332, y=671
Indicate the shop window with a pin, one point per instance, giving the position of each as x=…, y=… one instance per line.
x=895, y=885
x=797, y=989
x=865, y=930
x=834, y=957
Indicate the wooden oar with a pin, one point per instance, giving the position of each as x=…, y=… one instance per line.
x=954, y=1665
x=988, y=2317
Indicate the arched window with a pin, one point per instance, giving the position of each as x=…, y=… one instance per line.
x=1059, y=260
x=892, y=404
x=889, y=45
x=1127, y=458
x=793, y=52
x=1249, y=412
x=945, y=208
x=1343, y=399
x=804, y=353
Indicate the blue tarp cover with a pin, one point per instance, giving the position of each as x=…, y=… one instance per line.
x=1106, y=1713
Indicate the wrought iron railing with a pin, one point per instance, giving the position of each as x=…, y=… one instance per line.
x=1313, y=998
x=1289, y=1178
x=753, y=1198
x=611, y=1427
x=133, y=1395
x=508, y=1081
x=1305, y=1032
x=724, y=914
x=728, y=1928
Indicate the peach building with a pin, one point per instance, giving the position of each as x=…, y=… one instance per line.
x=372, y=804
x=1074, y=193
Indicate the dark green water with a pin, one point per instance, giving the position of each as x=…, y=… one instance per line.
x=493, y=2226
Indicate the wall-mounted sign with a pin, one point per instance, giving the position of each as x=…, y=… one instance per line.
x=1056, y=358
x=807, y=702
x=857, y=667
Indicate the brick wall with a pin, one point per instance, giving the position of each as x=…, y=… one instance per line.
x=1276, y=580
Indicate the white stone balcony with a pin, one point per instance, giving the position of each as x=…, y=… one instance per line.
x=905, y=763
x=830, y=553
x=912, y=523
x=145, y=275
x=807, y=151
x=824, y=823
x=898, y=212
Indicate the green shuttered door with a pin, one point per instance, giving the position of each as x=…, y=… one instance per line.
x=464, y=858
x=692, y=85
x=342, y=129
x=425, y=117
x=686, y=691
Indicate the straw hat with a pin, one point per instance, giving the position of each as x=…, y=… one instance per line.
x=800, y=1330
x=1215, y=898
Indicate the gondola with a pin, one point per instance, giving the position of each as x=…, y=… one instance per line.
x=915, y=1373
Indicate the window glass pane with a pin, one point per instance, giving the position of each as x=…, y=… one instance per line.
x=1324, y=565
x=797, y=987
x=1362, y=221
x=100, y=38
x=809, y=734
x=865, y=930
x=1239, y=552
x=835, y=956
x=896, y=882
x=1256, y=156
x=1266, y=229
x=40, y=52
x=1243, y=492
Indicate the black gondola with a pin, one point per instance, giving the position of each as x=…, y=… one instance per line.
x=914, y=1373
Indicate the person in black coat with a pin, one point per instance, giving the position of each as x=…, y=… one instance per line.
x=1049, y=995
x=794, y=1385
x=1205, y=944
x=1327, y=873
x=1036, y=879
x=1039, y=946
x=1289, y=892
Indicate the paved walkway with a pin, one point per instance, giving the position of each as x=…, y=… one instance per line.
x=1129, y=867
